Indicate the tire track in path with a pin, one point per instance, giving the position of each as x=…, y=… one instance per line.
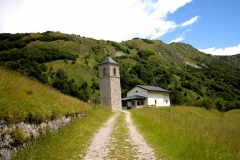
x=144, y=150
x=118, y=138
x=99, y=146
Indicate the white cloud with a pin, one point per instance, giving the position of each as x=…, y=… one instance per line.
x=219, y=51
x=106, y=19
x=186, y=31
x=179, y=39
x=189, y=22
x=182, y=37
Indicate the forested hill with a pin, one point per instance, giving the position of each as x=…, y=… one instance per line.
x=70, y=63
x=235, y=59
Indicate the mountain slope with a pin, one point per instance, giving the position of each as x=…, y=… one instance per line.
x=235, y=59
x=69, y=63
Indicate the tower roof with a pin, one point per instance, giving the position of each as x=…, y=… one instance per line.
x=108, y=60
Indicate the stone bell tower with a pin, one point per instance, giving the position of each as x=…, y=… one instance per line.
x=110, y=90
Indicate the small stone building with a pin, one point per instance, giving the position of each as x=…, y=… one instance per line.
x=110, y=90
x=153, y=96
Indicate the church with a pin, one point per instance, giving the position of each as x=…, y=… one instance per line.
x=137, y=97
x=150, y=96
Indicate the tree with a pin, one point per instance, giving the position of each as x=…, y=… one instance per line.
x=61, y=75
x=145, y=54
x=95, y=85
x=84, y=85
x=65, y=61
x=62, y=86
x=86, y=61
x=84, y=95
x=206, y=103
x=219, y=104
x=177, y=98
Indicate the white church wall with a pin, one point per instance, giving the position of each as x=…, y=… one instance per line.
x=137, y=91
x=158, y=98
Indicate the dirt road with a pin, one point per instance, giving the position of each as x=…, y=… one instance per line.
x=118, y=138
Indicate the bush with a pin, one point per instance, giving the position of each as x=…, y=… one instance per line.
x=145, y=54
x=147, y=41
x=220, y=105
x=206, y=103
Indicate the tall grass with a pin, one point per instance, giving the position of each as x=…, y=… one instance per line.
x=190, y=132
x=22, y=98
x=71, y=141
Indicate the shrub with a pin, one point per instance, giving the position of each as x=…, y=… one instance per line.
x=206, y=103
x=220, y=105
x=147, y=41
x=145, y=54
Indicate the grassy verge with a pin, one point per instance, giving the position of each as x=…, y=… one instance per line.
x=23, y=98
x=190, y=132
x=70, y=141
x=120, y=144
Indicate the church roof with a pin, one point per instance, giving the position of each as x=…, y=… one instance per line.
x=134, y=97
x=108, y=60
x=153, y=88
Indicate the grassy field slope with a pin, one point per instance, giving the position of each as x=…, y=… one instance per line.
x=23, y=98
x=190, y=132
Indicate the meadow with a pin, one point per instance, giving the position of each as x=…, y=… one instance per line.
x=23, y=98
x=190, y=132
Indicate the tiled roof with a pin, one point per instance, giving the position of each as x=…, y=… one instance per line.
x=108, y=60
x=153, y=88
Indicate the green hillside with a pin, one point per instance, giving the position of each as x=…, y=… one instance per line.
x=22, y=98
x=235, y=59
x=69, y=64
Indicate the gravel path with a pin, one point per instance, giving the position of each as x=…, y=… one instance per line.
x=100, y=146
x=144, y=151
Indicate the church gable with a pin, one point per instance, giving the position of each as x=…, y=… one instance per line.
x=140, y=96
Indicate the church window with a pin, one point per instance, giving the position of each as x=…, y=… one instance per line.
x=114, y=71
x=104, y=71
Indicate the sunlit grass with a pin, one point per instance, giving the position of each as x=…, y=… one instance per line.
x=22, y=97
x=190, y=132
x=71, y=141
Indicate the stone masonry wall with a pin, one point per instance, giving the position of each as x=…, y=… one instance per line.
x=110, y=89
x=9, y=146
x=116, y=94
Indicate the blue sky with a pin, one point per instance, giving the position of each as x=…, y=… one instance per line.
x=211, y=26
